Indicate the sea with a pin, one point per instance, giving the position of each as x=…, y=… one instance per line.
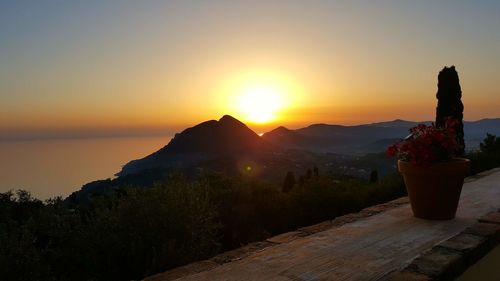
x=57, y=167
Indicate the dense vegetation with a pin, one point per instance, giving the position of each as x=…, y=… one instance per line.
x=133, y=232
x=487, y=157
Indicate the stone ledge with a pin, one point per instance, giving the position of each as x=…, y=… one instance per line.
x=491, y=218
x=286, y=237
x=450, y=258
x=439, y=263
x=491, y=231
x=182, y=271
x=377, y=243
x=408, y=276
x=481, y=175
x=242, y=252
x=216, y=261
x=472, y=247
x=338, y=221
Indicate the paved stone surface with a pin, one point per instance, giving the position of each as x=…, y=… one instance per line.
x=365, y=248
x=485, y=230
x=439, y=262
x=491, y=218
x=452, y=257
x=286, y=237
x=189, y=269
x=238, y=254
x=464, y=242
x=316, y=228
x=407, y=276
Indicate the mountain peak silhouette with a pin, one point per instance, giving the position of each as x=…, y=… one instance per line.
x=221, y=137
x=230, y=119
x=227, y=137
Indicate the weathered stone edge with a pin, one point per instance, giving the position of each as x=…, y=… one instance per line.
x=247, y=250
x=286, y=237
x=481, y=175
x=452, y=257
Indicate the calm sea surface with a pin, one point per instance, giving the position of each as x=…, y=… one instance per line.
x=50, y=168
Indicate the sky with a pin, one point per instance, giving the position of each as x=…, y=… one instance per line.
x=119, y=67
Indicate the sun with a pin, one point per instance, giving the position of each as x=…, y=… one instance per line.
x=259, y=96
x=260, y=103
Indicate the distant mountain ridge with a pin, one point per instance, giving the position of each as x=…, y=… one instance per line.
x=229, y=137
x=358, y=139
x=367, y=138
x=229, y=146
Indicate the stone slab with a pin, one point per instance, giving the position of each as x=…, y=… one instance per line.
x=363, y=248
x=439, y=262
x=491, y=218
x=242, y=252
x=464, y=242
x=182, y=271
x=285, y=237
x=316, y=228
x=406, y=276
x=486, y=230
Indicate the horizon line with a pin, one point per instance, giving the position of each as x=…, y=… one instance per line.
x=163, y=131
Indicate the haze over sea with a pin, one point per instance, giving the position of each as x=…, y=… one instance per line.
x=57, y=167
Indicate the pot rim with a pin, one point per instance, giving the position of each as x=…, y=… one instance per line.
x=456, y=166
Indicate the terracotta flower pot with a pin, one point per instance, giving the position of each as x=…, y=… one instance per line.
x=434, y=190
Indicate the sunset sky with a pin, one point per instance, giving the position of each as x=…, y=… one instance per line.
x=149, y=65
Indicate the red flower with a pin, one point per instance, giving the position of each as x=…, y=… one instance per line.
x=427, y=144
x=391, y=150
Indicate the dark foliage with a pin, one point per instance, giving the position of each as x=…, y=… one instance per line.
x=289, y=182
x=309, y=174
x=130, y=233
x=316, y=171
x=374, y=176
x=118, y=238
x=487, y=157
x=449, y=96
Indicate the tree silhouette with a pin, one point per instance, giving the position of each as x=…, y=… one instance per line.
x=449, y=96
x=289, y=182
x=374, y=176
x=301, y=181
x=309, y=174
x=491, y=144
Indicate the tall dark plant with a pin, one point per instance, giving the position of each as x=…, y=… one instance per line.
x=449, y=96
x=289, y=182
x=374, y=176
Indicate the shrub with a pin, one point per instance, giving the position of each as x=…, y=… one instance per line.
x=135, y=232
x=133, y=236
x=488, y=157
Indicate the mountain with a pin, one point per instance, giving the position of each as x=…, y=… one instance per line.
x=475, y=131
x=367, y=138
x=292, y=139
x=350, y=140
x=212, y=139
x=230, y=147
x=226, y=145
